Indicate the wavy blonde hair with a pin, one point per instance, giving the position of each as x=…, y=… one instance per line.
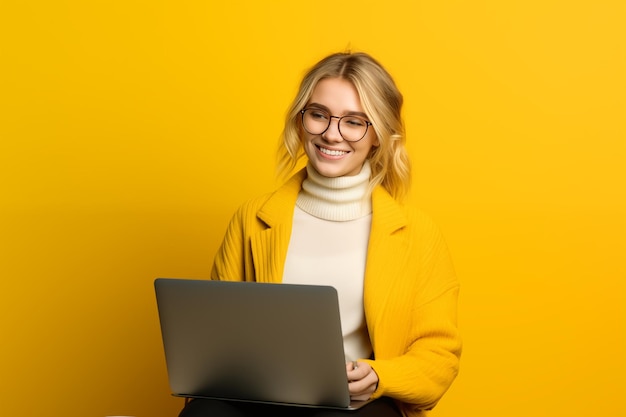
x=382, y=102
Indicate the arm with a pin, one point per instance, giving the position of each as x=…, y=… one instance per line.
x=426, y=370
x=413, y=316
x=228, y=264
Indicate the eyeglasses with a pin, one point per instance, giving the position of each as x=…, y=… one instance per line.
x=351, y=128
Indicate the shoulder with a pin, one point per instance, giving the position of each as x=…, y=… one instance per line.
x=275, y=205
x=421, y=218
x=256, y=201
x=423, y=224
x=399, y=215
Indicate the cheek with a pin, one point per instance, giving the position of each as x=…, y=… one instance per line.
x=305, y=139
x=307, y=144
x=304, y=136
x=375, y=141
x=371, y=139
x=372, y=144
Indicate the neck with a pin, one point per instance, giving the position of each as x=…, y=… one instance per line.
x=336, y=199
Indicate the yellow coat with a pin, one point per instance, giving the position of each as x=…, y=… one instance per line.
x=410, y=288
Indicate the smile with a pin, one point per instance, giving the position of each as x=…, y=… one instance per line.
x=331, y=152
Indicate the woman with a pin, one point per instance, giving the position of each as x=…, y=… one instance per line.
x=341, y=221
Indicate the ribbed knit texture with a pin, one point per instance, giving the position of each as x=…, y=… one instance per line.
x=410, y=288
x=328, y=246
x=337, y=199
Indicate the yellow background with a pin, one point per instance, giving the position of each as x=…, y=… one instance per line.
x=130, y=131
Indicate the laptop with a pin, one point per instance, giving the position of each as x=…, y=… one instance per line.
x=253, y=342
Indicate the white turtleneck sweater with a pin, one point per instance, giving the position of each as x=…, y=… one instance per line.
x=328, y=246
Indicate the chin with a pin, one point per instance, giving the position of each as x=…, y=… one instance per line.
x=327, y=171
x=333, y=172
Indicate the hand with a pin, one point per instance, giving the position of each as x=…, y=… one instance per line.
x=362, y=380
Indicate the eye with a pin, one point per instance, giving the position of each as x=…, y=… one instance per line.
x=354, y=122
x=318, y=114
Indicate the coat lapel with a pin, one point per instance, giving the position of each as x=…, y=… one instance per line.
x=387, y=247
x=269, y=246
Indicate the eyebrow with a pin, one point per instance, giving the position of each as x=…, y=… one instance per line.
x=349, y=113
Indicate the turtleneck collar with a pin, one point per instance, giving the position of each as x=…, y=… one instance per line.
x=336, y=199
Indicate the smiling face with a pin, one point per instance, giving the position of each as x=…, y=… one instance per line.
x=329, y=153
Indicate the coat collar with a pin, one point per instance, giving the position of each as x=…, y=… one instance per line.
x=269, y=247
x=280, y=206
x=387, y=214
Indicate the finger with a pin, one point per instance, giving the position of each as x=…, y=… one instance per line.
x=360, y=386
x=352, y=366
x=362, y=393
x=353, y=371
x=362, y=397
x=365, y=385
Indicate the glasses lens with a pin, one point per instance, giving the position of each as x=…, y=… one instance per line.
x=352, y=128
x=315, y=121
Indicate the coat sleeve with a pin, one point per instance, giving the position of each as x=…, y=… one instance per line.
x=229, y=261
x=233, y=260
x=418, y=346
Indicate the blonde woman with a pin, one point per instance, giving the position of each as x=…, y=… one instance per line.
x=340, y=219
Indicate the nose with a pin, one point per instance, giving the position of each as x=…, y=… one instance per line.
x=332, y=134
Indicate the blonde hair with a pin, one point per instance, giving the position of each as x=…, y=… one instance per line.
x=382, y=102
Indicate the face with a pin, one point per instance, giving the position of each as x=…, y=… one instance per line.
x=329, y=153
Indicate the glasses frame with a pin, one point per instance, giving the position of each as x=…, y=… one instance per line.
x=339, y=118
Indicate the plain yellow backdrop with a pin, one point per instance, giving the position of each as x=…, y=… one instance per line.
x=131, y=130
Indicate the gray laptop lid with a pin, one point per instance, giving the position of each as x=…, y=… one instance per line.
x=276, y=343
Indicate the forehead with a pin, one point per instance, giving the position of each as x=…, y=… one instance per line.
x=337, y=94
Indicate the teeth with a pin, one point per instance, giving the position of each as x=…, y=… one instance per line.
x=332, y=153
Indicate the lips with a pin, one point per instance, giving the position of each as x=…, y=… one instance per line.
x=331, y=152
